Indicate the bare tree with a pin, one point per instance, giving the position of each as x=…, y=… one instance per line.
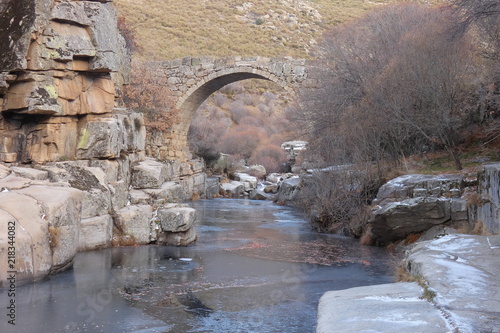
x=390, y=83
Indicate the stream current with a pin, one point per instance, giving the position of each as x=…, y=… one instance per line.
x=256, y=268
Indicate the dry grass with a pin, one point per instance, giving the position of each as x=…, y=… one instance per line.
x=402, y=274
x=480, y=229
x=167, y=29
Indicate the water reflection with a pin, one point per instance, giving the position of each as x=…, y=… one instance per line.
x=256, y=268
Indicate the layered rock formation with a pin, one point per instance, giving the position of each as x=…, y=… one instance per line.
x=73, y=171
x=62, y=64
x=412, y=204
x=486, y=208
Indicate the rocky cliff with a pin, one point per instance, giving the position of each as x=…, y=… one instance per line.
x=62, y=63
x=73, y=172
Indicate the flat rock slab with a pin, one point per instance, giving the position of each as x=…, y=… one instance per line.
x=464, y=271
x=394, y=307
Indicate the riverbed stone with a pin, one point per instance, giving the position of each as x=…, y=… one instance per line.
x=394, y=221
x=250, y=182
x=95, y=233
x=134, y=220
x=288, y=190
x=31, y=173
x=387, y=308
x=62, y=206
x=178, y=238
x=176, y=219
x=258, y=194
x=212, y=187
x=35, y=261
x=233, y=188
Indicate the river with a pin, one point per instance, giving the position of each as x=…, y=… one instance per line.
x=256, y=267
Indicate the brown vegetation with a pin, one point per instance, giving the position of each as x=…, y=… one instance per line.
x=147, y=93
x=177, y=28
x=238, y=122
x=396, y=82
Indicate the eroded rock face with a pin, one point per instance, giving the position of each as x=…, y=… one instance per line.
x=59, y=61
x=394, y=221
x=69, y=157
x=412, y=204
x=487, y=207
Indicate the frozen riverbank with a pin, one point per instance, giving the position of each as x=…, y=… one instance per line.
x=462, y=273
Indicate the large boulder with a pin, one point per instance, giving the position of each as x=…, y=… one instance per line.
x=62, y=208
x=168, y=192
x=250, y=182
x=417, y=185
x=149, y=174
x=91, y=180
x=233, y=189
x=134, y=221
x=176, y=219
x=396, y=220
x=32, y=239
x=288, y=190
x=95, y=233
x=108, y=137
x=412, y=204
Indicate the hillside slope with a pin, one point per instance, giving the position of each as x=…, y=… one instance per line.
x=167, y=29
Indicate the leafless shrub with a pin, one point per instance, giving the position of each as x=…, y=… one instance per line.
x=392, y=83
x=271, y=156
x=334, y=197
x=148, y=94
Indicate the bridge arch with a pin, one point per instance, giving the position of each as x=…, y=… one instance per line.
x=191, y=100
x=193, y=80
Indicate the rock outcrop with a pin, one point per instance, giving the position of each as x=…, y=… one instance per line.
x=73, y=171
x=486, y=208
x=412, y=204
x=57, y=209
x=62, y=64
x=457, y=291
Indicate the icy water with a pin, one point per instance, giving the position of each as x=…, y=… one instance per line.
x=256, y=268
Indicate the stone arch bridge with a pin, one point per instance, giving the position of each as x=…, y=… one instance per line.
x=193, y=80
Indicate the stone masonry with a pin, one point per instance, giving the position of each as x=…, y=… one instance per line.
x=193, y=80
